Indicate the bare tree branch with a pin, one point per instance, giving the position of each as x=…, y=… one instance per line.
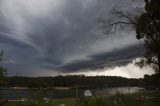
x=119, y=22
x=125, y=16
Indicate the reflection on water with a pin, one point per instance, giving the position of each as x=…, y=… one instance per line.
x=13, y=94
x=112, y=91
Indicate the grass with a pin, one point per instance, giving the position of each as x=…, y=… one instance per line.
x=53, y=102
x=136, y=99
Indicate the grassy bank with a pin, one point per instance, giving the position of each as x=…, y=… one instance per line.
x=136, y=99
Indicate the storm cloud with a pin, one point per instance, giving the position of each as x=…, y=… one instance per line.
x=117, y=57
x=62, y=36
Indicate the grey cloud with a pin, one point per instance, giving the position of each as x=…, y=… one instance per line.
x=59, y=39
x=12, y=41
x=118, y=57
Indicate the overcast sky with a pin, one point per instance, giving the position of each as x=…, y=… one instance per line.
x=52, y=37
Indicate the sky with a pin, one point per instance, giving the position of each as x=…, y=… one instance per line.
x=59, y=37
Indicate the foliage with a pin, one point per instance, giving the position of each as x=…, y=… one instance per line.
x=72, y=81
x=151, y=81
x=137, y=99
x=2, y=70
x=82, y=81
x=148, y=29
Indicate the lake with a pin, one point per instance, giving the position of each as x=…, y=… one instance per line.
x=13, y=94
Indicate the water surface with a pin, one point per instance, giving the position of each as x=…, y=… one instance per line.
x=12, y=94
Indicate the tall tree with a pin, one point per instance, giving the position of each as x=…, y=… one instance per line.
x=2, y=70
x=148, y=29
x=146, y=23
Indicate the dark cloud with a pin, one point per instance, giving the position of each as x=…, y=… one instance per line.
x=118, y=57
x=65, y=37
x=10, y=41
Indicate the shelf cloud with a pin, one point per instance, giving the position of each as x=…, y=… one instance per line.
x=62, y=36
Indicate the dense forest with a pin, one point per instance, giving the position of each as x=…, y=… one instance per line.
x=80, y=80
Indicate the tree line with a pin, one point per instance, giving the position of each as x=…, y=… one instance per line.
x=82, y=81
x=77, y=80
